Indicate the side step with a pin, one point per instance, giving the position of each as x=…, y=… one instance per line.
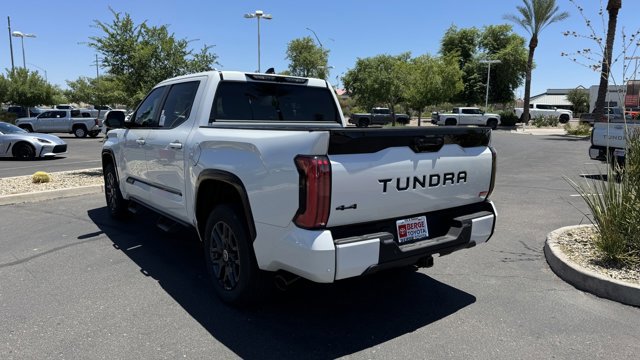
x=167, y=225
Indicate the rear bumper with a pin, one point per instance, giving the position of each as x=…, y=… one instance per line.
x=598, y=153
x=354, y=250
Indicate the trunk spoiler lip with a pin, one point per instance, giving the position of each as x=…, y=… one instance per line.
x=428, y=139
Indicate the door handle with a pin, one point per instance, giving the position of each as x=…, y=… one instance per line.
x=175, y=145
x=140, y=141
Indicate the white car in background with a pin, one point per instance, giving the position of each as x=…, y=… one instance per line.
x=20, y=144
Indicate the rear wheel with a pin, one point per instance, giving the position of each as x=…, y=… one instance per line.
x=492, y=123
x=24, y=151
x=80, y=131
x=229, y=256
x=116, y=204
x=26, y=128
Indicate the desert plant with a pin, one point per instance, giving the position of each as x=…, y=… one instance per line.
x=613, y=204
x=543, y=121
x=40, y=177
x=579, y=130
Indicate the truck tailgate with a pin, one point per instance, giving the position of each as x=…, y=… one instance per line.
x=393, y=173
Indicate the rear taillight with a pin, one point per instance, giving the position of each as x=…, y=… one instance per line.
x=315, y=191
x=486, y=194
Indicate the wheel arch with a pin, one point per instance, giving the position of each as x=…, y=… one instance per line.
x=23, y=142
x=215, y=187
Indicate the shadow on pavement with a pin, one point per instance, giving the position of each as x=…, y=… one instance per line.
x=602, y=177
x=566, y=138
x=307, y=321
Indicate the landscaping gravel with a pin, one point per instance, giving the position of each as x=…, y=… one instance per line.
x=59, y=180
x=578, y=245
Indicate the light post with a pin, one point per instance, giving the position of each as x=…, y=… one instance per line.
x=258, y=14
x=488, y=62
x=45, y=71
x=22, y=35
x=316, y=35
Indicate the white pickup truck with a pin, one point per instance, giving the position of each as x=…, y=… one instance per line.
x=466, y=116
x=608, y=141
x=264, y=168
x=71, y=121
x=540, y=110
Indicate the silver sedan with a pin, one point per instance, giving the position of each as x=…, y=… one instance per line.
x=18, y=143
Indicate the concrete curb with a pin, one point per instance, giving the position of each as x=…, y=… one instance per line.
x=50, y=194
x=585, y=279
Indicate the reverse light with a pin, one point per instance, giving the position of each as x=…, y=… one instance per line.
x=314, y=190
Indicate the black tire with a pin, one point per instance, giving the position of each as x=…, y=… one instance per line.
x=26, y=128
x=450, y=122
x=24, y=151
x=94, y=133
x=564, y=118
x=229, y=257
x=492, y=123
x=363, y=123
x=80, y=131
x=116, y=204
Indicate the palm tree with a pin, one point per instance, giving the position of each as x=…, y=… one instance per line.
x=613, y=7
x=534, y=16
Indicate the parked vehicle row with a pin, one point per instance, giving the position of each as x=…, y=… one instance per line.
x=613, y=114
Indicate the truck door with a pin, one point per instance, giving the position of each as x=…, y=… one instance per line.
x=134, y=167
x=46, y=122
x=166, y=146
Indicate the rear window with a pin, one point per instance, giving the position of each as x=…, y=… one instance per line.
x=262, y=101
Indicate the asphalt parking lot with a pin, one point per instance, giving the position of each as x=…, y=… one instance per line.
x=76, y=284
x=81, y=154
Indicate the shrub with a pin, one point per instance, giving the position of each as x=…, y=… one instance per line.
x=8, y=117
x=541, y=121
x=614, y=209
x=580, y=130
x=508, y=118
x=40, y=177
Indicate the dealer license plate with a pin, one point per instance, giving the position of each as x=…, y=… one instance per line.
x=412, y=229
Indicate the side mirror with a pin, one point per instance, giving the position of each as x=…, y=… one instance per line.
x=114, y=120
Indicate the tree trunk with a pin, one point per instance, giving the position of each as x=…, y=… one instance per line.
x=613, y=6
x=533, y=43
x=419, y=120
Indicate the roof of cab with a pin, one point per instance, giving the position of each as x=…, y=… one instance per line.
x=241, y=76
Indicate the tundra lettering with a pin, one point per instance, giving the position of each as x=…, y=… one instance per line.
x=435, y=180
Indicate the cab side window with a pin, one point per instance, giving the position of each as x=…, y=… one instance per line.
x=177, y=106
x=147, y=113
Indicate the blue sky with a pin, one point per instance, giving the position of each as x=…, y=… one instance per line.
x=351, y=29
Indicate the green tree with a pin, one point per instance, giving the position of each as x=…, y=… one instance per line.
x=27, y=88
x=534, y=17
x=613, y=7
x=96, y=91
x=381, y=79
x=306, y=59
x=499, y=42
x=495, y=42
x=140, y=56
x=579, y=98
x=433, y=81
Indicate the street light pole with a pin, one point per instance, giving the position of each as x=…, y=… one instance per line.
x=258, y=14
x=22, y=35
x=316, y=35
x=10, y=44
x=488, y=62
